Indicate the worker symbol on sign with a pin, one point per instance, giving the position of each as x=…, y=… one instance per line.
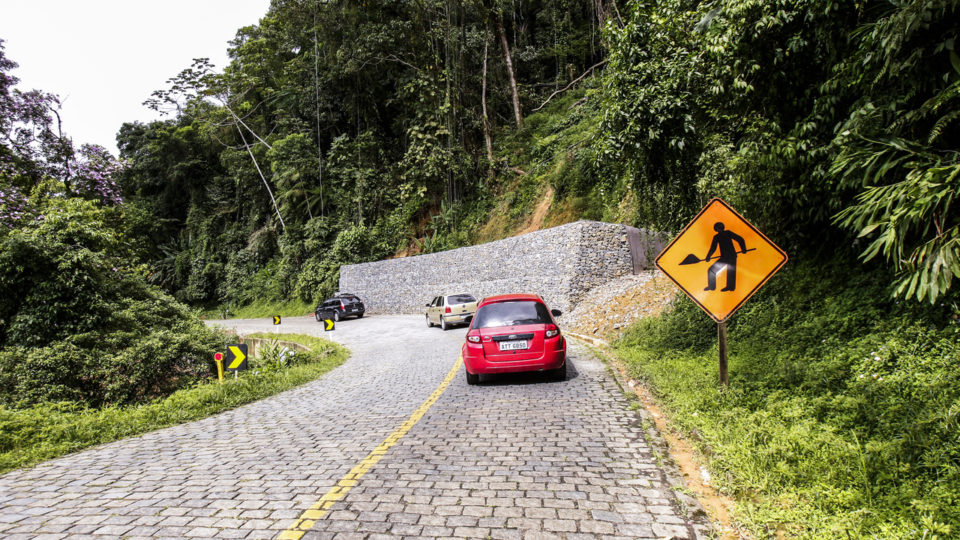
x=727, y=234
x=723, y=241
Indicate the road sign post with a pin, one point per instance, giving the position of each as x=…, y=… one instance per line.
x=722, y=346
x=737, y=257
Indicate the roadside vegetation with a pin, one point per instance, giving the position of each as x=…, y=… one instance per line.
x=49, y=429
x=841, y=415
x=262, y=309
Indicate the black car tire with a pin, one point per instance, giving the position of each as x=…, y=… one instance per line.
x=336, y=316
x=559, y=374
x=360, y=316
x=317, y=315
x=472, y=378
x=443, y=324
x=429, y=324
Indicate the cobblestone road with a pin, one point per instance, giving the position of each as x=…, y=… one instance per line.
x=516, y=457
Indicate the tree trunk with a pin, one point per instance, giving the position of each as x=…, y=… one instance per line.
x=448, y=68
x=513, y=80
x=316, y=85
x=67, y=183
x=483, y=103
x=257, y=165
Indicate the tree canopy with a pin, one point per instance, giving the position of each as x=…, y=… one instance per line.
x=830, y=123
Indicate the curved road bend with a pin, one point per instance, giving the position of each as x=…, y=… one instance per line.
x=517, y=457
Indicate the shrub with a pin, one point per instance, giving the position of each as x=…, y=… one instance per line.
x=51, y=429
x=79, y=323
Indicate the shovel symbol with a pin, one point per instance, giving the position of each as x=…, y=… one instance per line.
x=693, y=259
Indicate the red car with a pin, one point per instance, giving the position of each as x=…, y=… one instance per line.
x=512, y=333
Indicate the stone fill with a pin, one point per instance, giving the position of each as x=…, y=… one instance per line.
x=561, y=264
x=606, y=312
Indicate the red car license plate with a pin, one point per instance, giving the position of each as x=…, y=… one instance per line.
x=514, y=345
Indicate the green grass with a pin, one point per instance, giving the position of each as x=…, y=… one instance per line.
x=262, y=309
x=49, y=430
x=841, y=419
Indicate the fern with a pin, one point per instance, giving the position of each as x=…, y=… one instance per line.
x=912, y=221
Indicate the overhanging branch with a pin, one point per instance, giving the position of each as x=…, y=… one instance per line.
x=567, y=87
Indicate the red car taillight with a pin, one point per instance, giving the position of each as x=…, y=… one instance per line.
x=473, y=337
x=552, y=331
x=447, y=310
x=342, y=306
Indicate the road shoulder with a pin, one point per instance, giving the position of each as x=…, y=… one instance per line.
x=677, y=459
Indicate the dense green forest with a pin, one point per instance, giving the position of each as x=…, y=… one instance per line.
x=343, y=132
x=346, y=131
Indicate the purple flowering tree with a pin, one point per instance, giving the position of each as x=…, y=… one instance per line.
x=94, y=174
x=33, y=148
x=32, y=142
x=14, y=207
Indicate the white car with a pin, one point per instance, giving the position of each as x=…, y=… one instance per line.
x=449, y=309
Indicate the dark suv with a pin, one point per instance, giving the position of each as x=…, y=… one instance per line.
x=340, y=306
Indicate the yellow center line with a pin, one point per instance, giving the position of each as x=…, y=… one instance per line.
x=320, y=508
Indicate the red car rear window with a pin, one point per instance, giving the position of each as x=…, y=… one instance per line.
x=511, y=314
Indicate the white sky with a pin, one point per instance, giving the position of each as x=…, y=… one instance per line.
x=105, y=57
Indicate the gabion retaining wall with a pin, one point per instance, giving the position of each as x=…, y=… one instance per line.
x=560, y=264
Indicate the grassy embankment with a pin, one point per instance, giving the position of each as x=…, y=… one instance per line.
x=49, y=430
x=841, y=419
x=261, y=309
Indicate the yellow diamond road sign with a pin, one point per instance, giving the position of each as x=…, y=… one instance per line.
x=719, y=260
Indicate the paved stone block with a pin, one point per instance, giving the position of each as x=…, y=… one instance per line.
x=603, y=515
x=676, y=531
x=231, y=533
x=201, y=532
x=540, y=513
x=636, y=530
x=540, y=535
x=525, y=523
x=461, y=521
x=113, y=530
x=405, y=529
x=506, y=534
x=597, y=527
x=560, y=525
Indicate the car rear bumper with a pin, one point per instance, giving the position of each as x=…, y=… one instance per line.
x=476, y=363
x=458, y=318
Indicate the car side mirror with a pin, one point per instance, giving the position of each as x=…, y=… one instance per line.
x=427, y=305
x=556, y=312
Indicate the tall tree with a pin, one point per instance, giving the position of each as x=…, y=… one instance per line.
x=483, y=101
x=508, y=60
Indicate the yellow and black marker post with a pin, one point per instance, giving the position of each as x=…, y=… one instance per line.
x=218, y=358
